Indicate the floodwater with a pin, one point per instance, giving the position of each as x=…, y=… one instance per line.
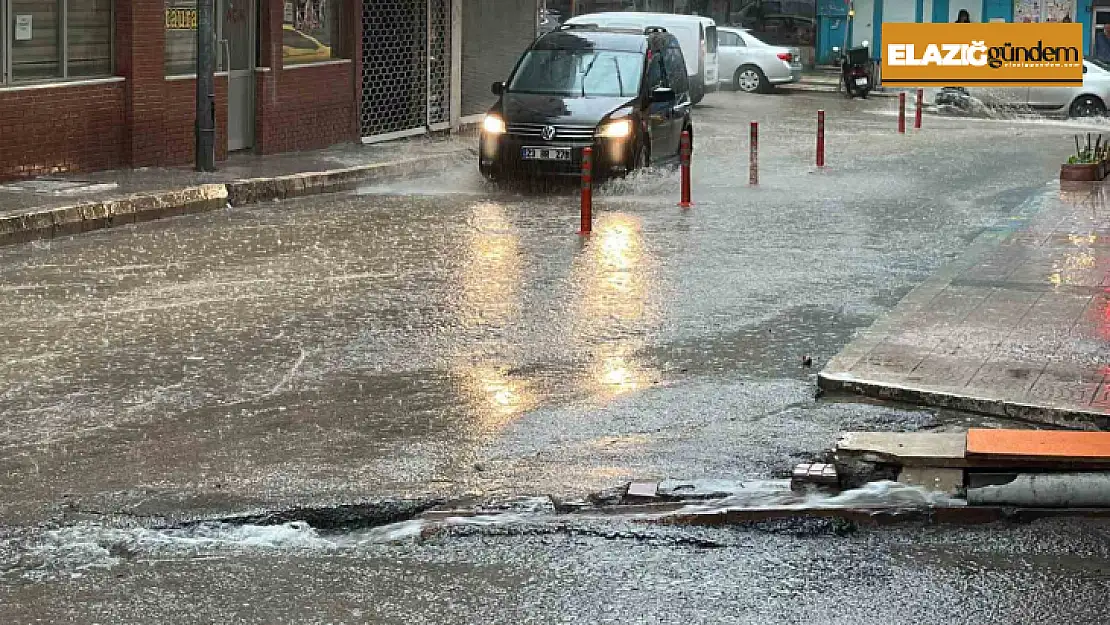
x=439, y=337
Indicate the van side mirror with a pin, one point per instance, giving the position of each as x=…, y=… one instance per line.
x=497, y=88
x=663, y=95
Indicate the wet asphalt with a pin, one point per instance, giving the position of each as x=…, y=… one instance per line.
x=439, y=337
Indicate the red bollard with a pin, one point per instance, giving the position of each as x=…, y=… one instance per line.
x=917, y=112
x=753, y=158
x=820, y=138
x=686, y=150
x=902, y=112
x=587, y=190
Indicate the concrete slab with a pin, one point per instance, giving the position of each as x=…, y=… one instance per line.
x=643, y=489
x=908, y=449
x=948, y=481
x=1017, y=327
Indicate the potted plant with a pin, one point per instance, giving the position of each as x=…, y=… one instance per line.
x=1090, y=163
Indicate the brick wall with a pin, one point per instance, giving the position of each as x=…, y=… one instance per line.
x=146, y=120
x=176, y=119
x=61, y=129
x=304, y=108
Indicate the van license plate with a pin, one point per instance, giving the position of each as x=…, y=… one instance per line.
x=861, y=81
x=545, y=154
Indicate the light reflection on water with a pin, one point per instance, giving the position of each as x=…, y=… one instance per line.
x=490, y=283
x=612, y=309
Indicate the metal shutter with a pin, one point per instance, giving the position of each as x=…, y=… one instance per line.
x=495, y=33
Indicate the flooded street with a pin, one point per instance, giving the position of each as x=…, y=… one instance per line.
x=439, y=337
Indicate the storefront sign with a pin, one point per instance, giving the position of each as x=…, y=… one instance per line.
x=181, y=19
x=23, y=28
x=983, y=55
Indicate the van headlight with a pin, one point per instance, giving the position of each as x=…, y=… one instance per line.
x=494, y=125
x=620, y=129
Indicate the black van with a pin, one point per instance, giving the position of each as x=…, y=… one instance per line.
x=623, y=92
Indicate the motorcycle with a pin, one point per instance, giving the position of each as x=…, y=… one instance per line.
x=856, y=74
x=953, y=96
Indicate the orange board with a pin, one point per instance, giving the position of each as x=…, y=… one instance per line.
x=1039, y=444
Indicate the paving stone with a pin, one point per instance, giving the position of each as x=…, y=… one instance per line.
x=1018, y=327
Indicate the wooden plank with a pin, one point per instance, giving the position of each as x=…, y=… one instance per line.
x=1085, y=447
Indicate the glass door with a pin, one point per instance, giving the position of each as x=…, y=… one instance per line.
x=238, y=30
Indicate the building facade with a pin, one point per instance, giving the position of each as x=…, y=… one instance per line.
x=97, y=84
x=836, y=28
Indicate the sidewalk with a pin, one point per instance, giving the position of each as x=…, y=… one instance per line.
x=62, y=205
x=1017, y=327
x=824, y=81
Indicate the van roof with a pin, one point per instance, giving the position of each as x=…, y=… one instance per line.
x=642, y=14
x=600, y=38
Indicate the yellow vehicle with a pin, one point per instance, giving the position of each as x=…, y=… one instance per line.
x=298, y=47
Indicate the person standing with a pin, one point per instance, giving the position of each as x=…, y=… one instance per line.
x=963, y=17
x=1102, y=43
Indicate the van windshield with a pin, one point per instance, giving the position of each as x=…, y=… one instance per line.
x=579, y=73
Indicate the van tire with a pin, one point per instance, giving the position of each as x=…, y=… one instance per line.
x=697, y=93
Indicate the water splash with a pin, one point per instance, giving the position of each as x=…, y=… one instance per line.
x=776, y=494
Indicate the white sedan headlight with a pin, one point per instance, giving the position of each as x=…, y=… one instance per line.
x=493, y=125
x=619, y=129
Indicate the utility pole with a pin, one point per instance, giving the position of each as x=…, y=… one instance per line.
x=206, y=86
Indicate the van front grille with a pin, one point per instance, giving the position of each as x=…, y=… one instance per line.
x=562, y=133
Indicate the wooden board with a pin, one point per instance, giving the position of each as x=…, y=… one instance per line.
x=1039, y=445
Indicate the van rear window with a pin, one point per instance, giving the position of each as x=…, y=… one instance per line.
x=711, y=39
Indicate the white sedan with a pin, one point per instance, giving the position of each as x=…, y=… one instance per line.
x=1090, y=100
x=753, y=66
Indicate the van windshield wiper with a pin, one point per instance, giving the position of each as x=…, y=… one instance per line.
x=587, y=73
x=620, y=81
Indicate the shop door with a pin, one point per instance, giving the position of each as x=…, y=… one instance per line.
x=1100, y=21
x=238, y=32
x=863, y=24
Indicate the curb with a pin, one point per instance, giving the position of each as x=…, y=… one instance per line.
x=68, y=220
x=998, y=407
x=148, y=206
x=829, y=88
x=255, y=190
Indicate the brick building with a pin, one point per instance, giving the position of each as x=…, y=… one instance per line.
x=96, y=84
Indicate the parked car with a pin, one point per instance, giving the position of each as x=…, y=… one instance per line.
x=624, y=93
x=299, y=47
x=1090, y=100
x=698, y=36
x=753, y=66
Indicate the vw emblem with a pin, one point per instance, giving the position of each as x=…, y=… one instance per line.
x=548, y=133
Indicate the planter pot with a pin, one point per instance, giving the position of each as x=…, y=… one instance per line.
x=1082, y=172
